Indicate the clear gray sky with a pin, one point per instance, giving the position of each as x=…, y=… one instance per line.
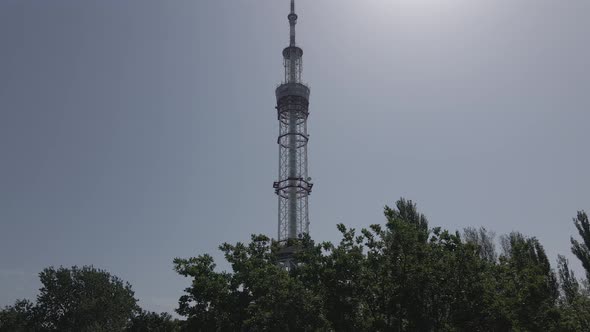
x=133, y=132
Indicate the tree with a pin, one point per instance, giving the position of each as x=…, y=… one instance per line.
x=483, y=239
x=423, y=279
x=400, y=270
x=569, y=285
x=574, y=300
x=526, y=286
x=74, y=299
x=582, y=249
x=146, y=321
x=19, y=317
x=258, y=296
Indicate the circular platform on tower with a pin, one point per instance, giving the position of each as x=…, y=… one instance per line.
x=292, y=89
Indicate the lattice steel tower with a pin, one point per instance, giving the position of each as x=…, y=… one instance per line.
x=293, y=186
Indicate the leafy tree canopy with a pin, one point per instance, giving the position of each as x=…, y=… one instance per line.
x=582, y=249
x=74, y=299
x=400, y=276
x=146, y=321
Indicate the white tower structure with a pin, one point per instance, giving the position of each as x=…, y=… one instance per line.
x=294, y=185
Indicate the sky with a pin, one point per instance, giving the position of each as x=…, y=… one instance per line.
x=134, y=132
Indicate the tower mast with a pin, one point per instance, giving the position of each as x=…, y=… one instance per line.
x=293, y=186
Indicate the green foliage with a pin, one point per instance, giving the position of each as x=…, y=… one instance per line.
x=484, y=241
x=575, y=303
x=582, y=249
x=403, y=276
x=74, y=299
x=18, y=318
x=146, y=321
x=257, y=296
x=526, y=285
x=77, y=299
x=570, y=287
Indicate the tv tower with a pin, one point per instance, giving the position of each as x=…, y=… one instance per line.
x=293, y=186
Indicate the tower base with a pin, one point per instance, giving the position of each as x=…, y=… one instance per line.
x=286, y=257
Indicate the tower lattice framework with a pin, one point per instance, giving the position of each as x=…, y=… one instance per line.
x=294, y=184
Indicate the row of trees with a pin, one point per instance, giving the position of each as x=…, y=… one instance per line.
x=401, y=276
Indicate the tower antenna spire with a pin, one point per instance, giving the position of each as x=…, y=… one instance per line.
x=292, y=21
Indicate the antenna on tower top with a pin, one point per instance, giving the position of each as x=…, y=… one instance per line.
x=292, y=21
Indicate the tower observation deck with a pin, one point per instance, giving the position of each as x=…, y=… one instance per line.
x=294, y=185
